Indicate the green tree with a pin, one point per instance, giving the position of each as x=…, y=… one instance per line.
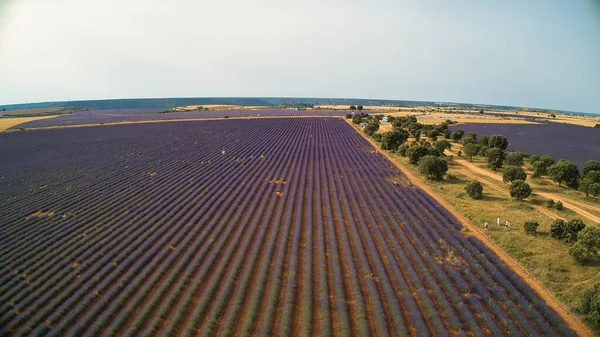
x=442, y=145
x=483, y=151
x=391, y=140
x=586, y=186
x=484, y=140
x=519, y=190
x=590, y=305
x=574, y=226
x=471, y=149
x=587, y=245
x=547, y=160
x=558, y=228
x=402, y=149
x=360, y=108
x=514, y=159
x=474, y=189
x=530, y=227
x=356, y=119
x=512, y=173
x=432, y=167
x=568, y=231
x=349, y=116
x=498, y=142
x=352, y=107
x=564, y=172
x=414, y=153
x=457, y=135
x=432, y=151
x=496, y=158
x=591, y=165
x=533, y=158
x=433, y=134
x=539, y=169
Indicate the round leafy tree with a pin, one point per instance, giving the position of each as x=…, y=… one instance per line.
x=520, y=190
x=432, y=167
x=512, y=173
x=495, y=158
x=591, y=165
x=498, y=142
x=474, y=189
x=514, y=159
x=564, y=172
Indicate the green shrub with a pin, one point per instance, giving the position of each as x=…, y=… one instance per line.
x=549, y=203
x=474, y=189
x=559, y=205
x=530, y=227
x=520, y=190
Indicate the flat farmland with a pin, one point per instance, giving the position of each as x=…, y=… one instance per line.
x=279, y=226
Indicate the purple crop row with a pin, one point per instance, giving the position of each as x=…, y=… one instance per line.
x=296, y=229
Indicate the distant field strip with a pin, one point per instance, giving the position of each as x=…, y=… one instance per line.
x=297, y=229
x=94, y=117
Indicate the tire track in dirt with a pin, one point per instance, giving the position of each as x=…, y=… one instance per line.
x=568, y=203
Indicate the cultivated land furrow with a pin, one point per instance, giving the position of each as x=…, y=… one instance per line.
x=297, y=229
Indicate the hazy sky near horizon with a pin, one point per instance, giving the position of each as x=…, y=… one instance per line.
x=536, y=53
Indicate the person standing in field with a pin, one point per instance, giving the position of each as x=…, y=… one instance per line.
x=485, y=225
x=507, y=224
x=498, y=221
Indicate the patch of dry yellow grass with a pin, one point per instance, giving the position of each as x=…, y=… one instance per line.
x=6, y=123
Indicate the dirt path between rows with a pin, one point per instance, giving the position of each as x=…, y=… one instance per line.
x=568, y=203
x=573, y=321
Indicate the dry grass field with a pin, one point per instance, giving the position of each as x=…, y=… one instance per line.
x=6, y=123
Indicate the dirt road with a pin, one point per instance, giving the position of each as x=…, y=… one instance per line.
x=573, y=205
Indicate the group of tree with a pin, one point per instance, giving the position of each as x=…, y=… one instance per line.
x=427, y=157
x=589, y=183
x=540, y=164
x=354, y=107
x=566, y=172
x=585, y=239
x=566, y=230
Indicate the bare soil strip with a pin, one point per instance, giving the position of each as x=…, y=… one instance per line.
x=573, y=321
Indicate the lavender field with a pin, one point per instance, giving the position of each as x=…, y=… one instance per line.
x=572, y=142
x=274, y=226
x=140, y=115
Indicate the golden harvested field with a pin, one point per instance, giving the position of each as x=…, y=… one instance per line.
x=6, y=123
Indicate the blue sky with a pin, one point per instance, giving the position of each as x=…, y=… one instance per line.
x=536, y=53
